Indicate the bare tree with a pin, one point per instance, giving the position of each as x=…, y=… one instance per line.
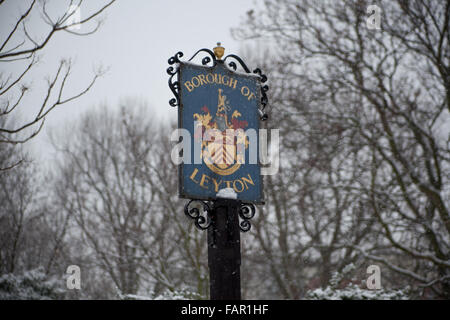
x=119, y=185
x=15, y=211
x=190, y=268
x=19, y=47
x=374, y=104
x=31, y=234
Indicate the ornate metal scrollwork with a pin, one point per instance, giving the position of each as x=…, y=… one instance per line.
x=201, y=212
x=202, y=219
x=174, y=85
x=206, y=60
x=263, y=78
x=233, y=65
x=246, y=212
x=198, y=210
x=264, y=89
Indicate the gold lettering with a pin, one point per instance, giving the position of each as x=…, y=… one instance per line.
x=228, y=184
x=193, y=175
x=216, y=78
x=216, y=185
x=233, y=83
x=249, y=180
x=189, y=86
x=203, y=180
x=207, y=78
x=198, y=82
x=202, y=79
x=245, y=91
x=235, y=188
x=225, y=82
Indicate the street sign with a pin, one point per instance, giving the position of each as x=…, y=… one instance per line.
x=220, y=109
x=218, y=118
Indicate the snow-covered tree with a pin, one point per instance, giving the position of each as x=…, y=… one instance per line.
x=363, y=114
x=31, y=285
x=352, y=291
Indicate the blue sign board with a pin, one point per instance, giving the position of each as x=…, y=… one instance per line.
x=219, y=108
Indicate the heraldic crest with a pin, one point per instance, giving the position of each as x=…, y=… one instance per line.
x=223, y=140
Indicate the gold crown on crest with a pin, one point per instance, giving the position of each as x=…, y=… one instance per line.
x=219, y=51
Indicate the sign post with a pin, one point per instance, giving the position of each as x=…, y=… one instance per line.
x=219, y=114
x=224, y=251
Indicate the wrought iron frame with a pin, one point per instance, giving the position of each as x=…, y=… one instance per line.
x=204, y=219
x=174, y=69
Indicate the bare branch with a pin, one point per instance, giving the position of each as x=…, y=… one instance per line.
x=14, y=164
x=17, y=24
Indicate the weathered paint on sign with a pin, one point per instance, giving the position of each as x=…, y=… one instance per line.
x=219, y=99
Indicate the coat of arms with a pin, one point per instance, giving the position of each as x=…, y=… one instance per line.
x=224, y=151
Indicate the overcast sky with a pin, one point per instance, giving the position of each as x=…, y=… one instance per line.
x=135, y=41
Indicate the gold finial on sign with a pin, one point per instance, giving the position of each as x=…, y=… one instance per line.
x=219, y=51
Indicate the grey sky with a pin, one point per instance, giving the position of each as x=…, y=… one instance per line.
x=135, y=41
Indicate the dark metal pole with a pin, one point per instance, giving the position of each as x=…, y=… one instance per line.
x=224, y=251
